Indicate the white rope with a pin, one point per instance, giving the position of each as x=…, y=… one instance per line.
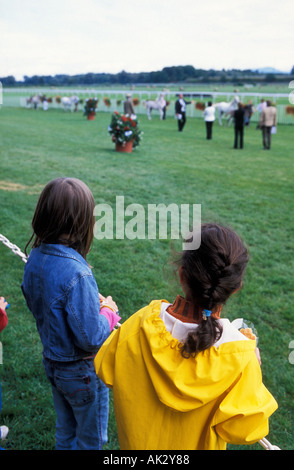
x=267, y=445
x=13, y=248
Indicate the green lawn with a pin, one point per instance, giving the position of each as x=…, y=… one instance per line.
x=249, y=189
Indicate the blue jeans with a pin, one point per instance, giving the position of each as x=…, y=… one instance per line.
x=81, y=403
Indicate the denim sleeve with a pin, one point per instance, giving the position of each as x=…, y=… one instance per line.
x=89, y=328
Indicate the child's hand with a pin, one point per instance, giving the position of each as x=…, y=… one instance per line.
x=108, y=302
x=3, y=303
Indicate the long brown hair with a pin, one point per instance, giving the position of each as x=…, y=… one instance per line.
x=212, y=273
x=64, y=214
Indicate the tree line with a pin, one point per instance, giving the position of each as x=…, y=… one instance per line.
x=174, y=74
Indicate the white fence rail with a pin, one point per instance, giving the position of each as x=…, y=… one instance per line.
x=18, y=97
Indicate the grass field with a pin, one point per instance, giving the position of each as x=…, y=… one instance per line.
x=251, y=190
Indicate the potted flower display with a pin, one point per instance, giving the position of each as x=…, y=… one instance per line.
x=290, y=110
x=90, y=108
x=125, y=131
x=107, y=102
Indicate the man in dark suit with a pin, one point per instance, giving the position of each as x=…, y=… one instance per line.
x=239, y=125
x=180, y=111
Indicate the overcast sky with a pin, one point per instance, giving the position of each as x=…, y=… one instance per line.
x=79, y=36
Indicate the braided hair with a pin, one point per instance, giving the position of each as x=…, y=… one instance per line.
x=211, y=274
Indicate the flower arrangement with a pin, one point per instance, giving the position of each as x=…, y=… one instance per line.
x=136, y=101
x=107, y=101
x=124, y=128
x=58, y=99
x=200, y=106
x=90, y=106
x=290, y=110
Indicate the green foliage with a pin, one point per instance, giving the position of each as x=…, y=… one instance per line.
x=251, y=190
x=173, y=74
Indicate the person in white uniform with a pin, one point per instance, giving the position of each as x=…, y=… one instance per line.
x=209, y=117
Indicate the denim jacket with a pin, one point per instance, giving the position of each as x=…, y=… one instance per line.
x=62, y=294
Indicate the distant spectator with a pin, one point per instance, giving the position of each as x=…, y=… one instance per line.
x=209, y=117
x=45, y=104
x=239, y=126
x=260, y=108
x=248, y=111
x=164, y=107
x=128, y=105
x=180, y=110
x=267, y=122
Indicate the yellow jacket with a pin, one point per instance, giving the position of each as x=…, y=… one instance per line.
x=163, y=401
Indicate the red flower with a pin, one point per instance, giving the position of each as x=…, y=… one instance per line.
x=124, y=119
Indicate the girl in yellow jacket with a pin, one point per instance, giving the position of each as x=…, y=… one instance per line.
x=182, y=377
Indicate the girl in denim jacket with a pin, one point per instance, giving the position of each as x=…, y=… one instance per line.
x=62, y=294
